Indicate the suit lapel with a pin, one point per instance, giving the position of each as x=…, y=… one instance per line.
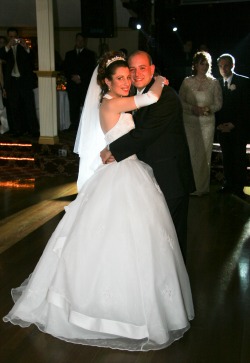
x=148, y=86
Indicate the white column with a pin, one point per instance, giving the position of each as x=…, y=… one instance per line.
x=46, y=73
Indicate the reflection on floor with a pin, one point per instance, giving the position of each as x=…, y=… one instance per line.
x=34, y=205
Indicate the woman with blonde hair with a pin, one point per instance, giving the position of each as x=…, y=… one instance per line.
x=201, y=97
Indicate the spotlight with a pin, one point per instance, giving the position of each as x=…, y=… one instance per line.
x=173, y=24
x=135, y=23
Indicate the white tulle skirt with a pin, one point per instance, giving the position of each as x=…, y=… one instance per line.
x=112, y=274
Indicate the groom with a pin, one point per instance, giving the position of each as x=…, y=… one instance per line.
x=159, y=140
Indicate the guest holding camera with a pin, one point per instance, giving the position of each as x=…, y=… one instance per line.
x=201, y=97
x=19, y=83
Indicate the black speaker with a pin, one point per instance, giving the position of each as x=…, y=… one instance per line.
x=97, y=18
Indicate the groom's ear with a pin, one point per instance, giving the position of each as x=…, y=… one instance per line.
x=152, y=67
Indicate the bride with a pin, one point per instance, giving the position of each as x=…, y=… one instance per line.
x=112, y=274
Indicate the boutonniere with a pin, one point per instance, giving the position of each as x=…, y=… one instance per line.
x=232, y=87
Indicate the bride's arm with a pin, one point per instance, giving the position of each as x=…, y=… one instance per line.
x=125, y=104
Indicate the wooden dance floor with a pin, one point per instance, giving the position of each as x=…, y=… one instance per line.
x=218, y=266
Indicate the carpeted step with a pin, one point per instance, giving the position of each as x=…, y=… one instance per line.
x=16, y=154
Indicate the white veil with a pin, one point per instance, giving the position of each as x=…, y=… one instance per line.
x=90, y=138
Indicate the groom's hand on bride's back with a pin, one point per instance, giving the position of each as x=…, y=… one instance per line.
x=106, y=156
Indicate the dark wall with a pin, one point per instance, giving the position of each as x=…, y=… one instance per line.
x=97, y=18
x=222, y=27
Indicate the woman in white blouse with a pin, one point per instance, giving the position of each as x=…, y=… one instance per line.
x=201, y=97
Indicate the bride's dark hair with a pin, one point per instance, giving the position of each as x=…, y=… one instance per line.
x=107, y=65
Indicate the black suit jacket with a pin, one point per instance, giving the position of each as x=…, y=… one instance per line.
x=235, y=106
x=82, y=64
x=25, y=63
x=159, y=140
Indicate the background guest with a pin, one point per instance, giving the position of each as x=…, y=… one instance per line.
x=4, y=127
x=1, y=75
x=201, y=97
x=233, y=125
x=3, y=41
x=182, y=63
x=19, y=83
x=58, y=61
x=4, y=107
x=79, y=64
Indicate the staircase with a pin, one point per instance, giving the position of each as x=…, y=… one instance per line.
x=56, y=159
x=23, y=158
x=13, y=154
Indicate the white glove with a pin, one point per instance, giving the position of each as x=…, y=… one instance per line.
x=145, y=99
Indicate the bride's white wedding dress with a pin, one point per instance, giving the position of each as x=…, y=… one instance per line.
x=112, y=274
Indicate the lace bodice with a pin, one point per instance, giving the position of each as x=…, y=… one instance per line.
x=205, y=93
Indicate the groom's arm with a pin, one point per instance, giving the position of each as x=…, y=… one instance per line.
x=157, y=117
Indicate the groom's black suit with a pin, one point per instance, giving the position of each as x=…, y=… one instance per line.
x=159, y=140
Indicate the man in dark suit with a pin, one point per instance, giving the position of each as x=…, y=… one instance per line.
x=232, y=125
x=79, y=64
x=159, y=140
x=19, y=82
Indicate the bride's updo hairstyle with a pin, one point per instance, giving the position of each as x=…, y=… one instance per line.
x=107, y=66
x=200, y=57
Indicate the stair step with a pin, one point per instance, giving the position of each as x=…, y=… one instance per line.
x=60, y=165
x=16, y=162
x=15, y=154
x=51, y=159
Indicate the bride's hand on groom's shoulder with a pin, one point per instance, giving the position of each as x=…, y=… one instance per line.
x=164, y=80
